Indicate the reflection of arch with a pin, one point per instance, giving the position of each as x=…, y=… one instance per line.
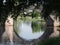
x=48, y=31
x=49, y=27
x=50, y=20
x=19, y=40
x=56, y=25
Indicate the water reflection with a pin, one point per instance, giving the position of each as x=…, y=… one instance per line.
x=37, y=26
x=29, y=30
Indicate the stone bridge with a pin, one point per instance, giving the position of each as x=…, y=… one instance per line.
x=52, y=30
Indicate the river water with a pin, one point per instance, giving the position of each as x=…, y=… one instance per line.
x=30, y=30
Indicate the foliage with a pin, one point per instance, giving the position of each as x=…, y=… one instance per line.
x=17, y=6
x=35, y=14
x=13, y=6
